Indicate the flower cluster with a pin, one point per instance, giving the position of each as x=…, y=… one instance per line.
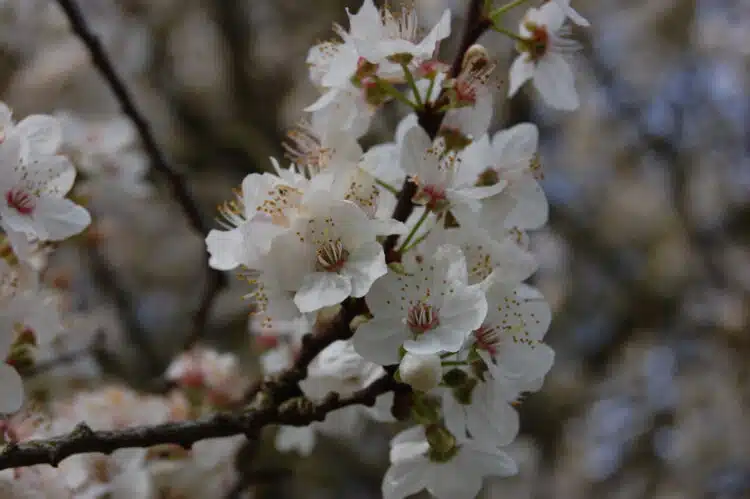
x=433, y=294
x=406, y=261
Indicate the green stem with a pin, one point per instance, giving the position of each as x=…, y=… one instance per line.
x=430, y=89
x=388, y=187
x=393, y=92
x=505, y=8
x=414, y=230
x=416, y=242
x=413, y=85
x=510, y=34
x=453, y=363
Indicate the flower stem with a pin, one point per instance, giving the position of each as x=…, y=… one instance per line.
x=509, y=34
x=505, y=8
x=388, y=187
x=414, y=230
x=413, y=85
x=389, y=89
x=416, y=242
x=430, y=89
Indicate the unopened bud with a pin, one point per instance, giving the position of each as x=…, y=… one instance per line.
x=422, y=372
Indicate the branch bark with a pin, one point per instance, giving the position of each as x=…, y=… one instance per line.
x=265, y=409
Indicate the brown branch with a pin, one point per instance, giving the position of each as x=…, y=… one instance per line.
x=265, y=409
x=216, y=280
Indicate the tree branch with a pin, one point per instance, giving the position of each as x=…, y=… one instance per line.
x=216, y=280
x=265, y=409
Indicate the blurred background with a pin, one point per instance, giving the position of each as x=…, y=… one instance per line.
x=645, y=260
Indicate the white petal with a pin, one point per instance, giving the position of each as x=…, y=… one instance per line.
x=11, y=389
x=414, y=161
x=53, y=175
x=404, y=479
x=521, y=71
x=366, y=22
x=551, y=15
x=223, y=247
x=451, y=480
x=488, y=461
x=43, y=133
x=58, y=218
x=379, y=340
x=572, y=14
x=364, y=266
x=322, y=289
x=492, y=419
x=531, y=207
x=465, y=308
x=342, y=67
x=554, y=80
x=441, y=31
x=515, y=147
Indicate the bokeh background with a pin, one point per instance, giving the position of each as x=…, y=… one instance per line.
x=646, y=259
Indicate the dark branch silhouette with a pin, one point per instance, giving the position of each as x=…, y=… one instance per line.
x=216, y=280
x=267, y=408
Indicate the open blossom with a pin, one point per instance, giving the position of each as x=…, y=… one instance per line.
x=346, y=69
x=34, y=181
x=442, y=182
x=328, y=254
x=260, y=212
x=431, y=309
x=373, y=36
x=511, y=158
x=455, y=474
x=510, y=340
x=543, y=57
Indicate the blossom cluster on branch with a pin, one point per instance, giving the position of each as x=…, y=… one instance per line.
x=386, y=283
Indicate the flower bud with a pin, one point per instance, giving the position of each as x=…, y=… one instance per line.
x=422, y=372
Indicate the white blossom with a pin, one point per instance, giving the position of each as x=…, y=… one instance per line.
x=456, y=477
x=543, y=57
x=431, y=309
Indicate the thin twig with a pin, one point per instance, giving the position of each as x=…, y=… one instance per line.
x=216, y=280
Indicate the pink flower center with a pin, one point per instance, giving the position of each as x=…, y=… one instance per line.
x=487, y=339
x=21, y=201
x=422, y=318
x=538, y=43
x=433, y=197
x=331, y=256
